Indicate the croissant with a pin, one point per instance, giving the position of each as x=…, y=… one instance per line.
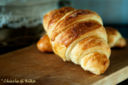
x=115, y=39
x=78, y=36
x=44, y=45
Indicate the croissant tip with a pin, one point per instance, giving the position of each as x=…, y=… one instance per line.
x=122, y=43
x=97, y=63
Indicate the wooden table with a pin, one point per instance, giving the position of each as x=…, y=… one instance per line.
x=48, y=69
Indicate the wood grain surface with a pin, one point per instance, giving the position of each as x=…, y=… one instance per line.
x=49, y=69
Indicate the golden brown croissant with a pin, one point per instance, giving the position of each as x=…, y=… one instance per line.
x=115, y=39
x=78, y=36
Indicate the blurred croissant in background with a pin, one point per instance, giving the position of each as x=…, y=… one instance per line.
x=115, y=39
x=44, y=45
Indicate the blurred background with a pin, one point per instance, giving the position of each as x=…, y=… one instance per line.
x=21, y=20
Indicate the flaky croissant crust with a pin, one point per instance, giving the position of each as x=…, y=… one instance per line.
x=78, y=36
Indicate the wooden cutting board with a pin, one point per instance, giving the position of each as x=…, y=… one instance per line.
x=49, y=69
